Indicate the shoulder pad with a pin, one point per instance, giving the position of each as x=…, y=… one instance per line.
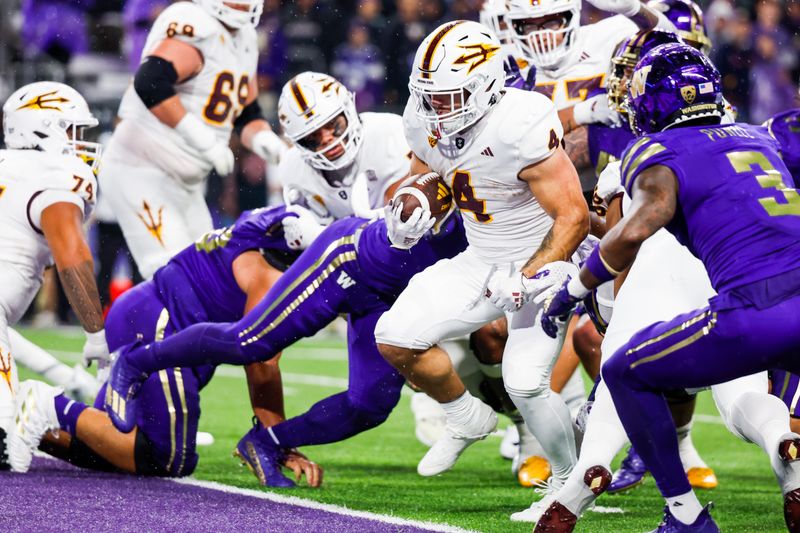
x=641, y=154
x=533, y=127
x=187, y=22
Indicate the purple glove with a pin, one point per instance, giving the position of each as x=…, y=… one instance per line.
x=558, y=310
x=514, y=77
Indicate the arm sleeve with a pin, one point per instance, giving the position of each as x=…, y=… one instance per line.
x=155, y=81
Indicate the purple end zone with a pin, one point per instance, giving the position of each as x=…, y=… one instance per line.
x=55, y=496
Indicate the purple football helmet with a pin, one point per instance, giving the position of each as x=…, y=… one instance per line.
x=688, y=19
x=671, y=84
x=628, y=53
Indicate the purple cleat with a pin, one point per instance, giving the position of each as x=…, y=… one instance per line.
x=263, y=457
x=630, y=474
x=702, y=524
x=124, y=382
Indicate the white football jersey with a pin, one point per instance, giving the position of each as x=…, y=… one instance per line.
x=30, y=181
x=586, y=67
x=384, y=156
x=217, y=94
x=503, y=220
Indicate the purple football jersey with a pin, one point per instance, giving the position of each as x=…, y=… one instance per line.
x=785, y=127
x=737, y=211
x=607, y=144
x=206, y=266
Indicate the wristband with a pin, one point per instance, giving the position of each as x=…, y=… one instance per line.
x=97, y=337
x=598, y=266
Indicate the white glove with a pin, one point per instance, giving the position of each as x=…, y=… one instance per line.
x=506, y=292
x=404, y=235
x=551, y=277
x=359, y=198
x=204, y=140
x=629, y=8
x=595, y=110
x=267, y=145
x=96, y=349
x=300, y=231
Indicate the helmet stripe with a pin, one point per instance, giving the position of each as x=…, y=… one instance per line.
x=428, y=57
x=300, y=98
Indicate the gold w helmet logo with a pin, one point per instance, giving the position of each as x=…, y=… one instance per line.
x=45, y=101
x=639, y=80
x=476, y=55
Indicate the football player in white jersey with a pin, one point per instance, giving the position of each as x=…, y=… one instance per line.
x=500, y=151
x=47, y=191
x=196, y=84
x=334, y=144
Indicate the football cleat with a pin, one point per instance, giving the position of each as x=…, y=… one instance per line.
x=702, y=524
x=4, y=464
x=263, y=457
x=82, y=386
x=124, y=382
x=702, y=478
x=791, y=510
x=789, y=448
x=429, y=418
x=556, y=519
x=630, y=474
x=446, y=451
x=548, y=490
x=35, y=415
x=533, y=471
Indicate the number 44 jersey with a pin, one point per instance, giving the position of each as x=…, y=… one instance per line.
x=503, y=220
x=217, y=94
x=737, y=211
x=31, y=181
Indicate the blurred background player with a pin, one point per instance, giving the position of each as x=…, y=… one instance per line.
x=47, y=190
x=196, y=83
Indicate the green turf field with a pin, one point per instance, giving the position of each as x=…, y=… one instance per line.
x=376, y=471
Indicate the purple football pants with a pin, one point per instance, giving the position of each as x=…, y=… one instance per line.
x=169, y=401
x=786, y=386
x=698, y=349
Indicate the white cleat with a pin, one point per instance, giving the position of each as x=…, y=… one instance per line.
x=34, y=416
x=532, y=514
x=429, y=418
x=445, y=451
x=82, y=386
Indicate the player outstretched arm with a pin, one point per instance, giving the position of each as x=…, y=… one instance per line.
x=173, y=62
x=255, y=276
x=62, y=226
x=555, y=184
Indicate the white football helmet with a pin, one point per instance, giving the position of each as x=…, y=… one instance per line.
x=456, y=77
x=223, y=11
x=310, y=101
x=493, y=16
x=50, y=116
x=541, y=46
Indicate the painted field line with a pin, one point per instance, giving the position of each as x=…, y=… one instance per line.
x=311, y=504
x=606, y=510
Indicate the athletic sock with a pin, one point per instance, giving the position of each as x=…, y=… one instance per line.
x=461, y=411
x=689, y=455
x=68, y=411
x=548, y=419
x=685, y=507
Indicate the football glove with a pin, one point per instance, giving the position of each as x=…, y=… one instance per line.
x=514, y=75
x=595, y=110
x=558, y=309
x=404, y=235
x=96, y=349
x=203, y=139
x=301, y=230
x=629, y=8
x=267, y=145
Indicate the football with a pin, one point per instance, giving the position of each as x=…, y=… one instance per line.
x=428, y=191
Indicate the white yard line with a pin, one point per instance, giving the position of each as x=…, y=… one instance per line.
x=311, y=504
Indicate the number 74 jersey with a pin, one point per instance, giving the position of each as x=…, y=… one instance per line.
x=31, y=181
x=217, y=94
x=503, y=220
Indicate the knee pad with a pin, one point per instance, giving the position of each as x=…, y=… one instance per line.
x=532, y=390
x=614, y=369
x=369, y=418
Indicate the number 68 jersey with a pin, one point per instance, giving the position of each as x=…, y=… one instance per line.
x=31, y=181
x=503, y=220
x=217, y=94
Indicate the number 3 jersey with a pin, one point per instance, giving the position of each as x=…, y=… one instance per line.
x=503, y=221
x=217, y=94
x=31, y=181
x=737, y=211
